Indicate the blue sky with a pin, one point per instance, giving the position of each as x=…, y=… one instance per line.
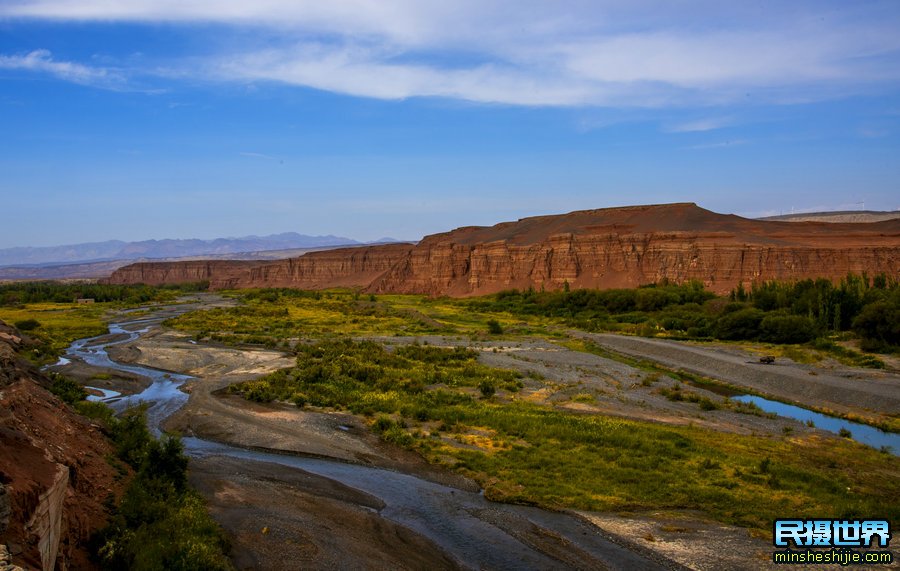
x=161, y=119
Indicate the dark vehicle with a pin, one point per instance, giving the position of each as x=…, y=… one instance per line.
x=767, y=360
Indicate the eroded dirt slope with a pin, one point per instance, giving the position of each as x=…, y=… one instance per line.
x=54, y=477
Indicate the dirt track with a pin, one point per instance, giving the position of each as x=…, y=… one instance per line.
x=861, y=391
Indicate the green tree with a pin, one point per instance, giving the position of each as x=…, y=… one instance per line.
x=879, y=326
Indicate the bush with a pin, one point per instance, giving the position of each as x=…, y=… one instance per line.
x=652, y=299
x=787, y=329
x=879, y=325
x=494, y=327
x=740, y=324
x=159, y=523
x=27, y=324
x=66, y=389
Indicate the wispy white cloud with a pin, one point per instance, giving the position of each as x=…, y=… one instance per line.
x=41, y=61
x=527, y=52
x=367, y=72
x=700, y=125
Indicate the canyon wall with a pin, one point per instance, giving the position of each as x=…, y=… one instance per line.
x=605, y=248
x=163, y=273
x=345, y=267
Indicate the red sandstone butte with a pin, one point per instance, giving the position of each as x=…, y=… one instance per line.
x=604, y=248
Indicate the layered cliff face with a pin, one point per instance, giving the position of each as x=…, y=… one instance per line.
x=54, y=477
x=344, y=267
x=606, y=248
x=163, y=273
x=628, y=247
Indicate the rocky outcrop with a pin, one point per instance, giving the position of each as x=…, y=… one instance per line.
x=605, y=248
x=54, y=477
x=6, y=560
x=46, y=520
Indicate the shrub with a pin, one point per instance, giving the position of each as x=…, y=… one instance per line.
x=652, y=299
x=787, y=329
x=494, y=327
x=160, y=523
x=66, y=389
x=740, y=324
x=27, y=324
x=879, y=325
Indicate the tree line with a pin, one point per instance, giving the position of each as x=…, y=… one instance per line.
x=38, y=292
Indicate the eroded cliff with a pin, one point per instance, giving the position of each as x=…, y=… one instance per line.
x=163, y=273
x=344, y=267
x=605, y=248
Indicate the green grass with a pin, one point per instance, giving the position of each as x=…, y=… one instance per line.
x=59, y=325
x=271, y=321
x=365, y=378
x=272, y=317
x=599, y=463
x=426, y=398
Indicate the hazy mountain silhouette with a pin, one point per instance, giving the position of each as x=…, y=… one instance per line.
x=168, y=248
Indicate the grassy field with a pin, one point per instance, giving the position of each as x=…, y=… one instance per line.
x=48, y=312
x=57, y=325
x=468, y=416
x=272, y=317
x=280, y=317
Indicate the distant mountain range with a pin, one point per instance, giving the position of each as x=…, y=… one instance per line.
x=160, y=249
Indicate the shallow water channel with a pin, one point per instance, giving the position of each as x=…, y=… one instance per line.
x=476, y=532
x=864, y=433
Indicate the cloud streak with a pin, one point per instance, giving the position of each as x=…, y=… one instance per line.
x=701, y=125
x=41, y=61
x=615, y=53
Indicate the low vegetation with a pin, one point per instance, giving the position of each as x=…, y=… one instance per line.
x=365, y=378
x=19, y=293
x=160, y=522
x=431, y=399
x=774, y=312
x=53, y=326
x=276, y=317
x=48, y=312
x=810, y=313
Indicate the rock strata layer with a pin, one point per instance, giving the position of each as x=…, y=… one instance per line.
x=605, y=248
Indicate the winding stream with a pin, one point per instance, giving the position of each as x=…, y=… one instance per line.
x=464, y=524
